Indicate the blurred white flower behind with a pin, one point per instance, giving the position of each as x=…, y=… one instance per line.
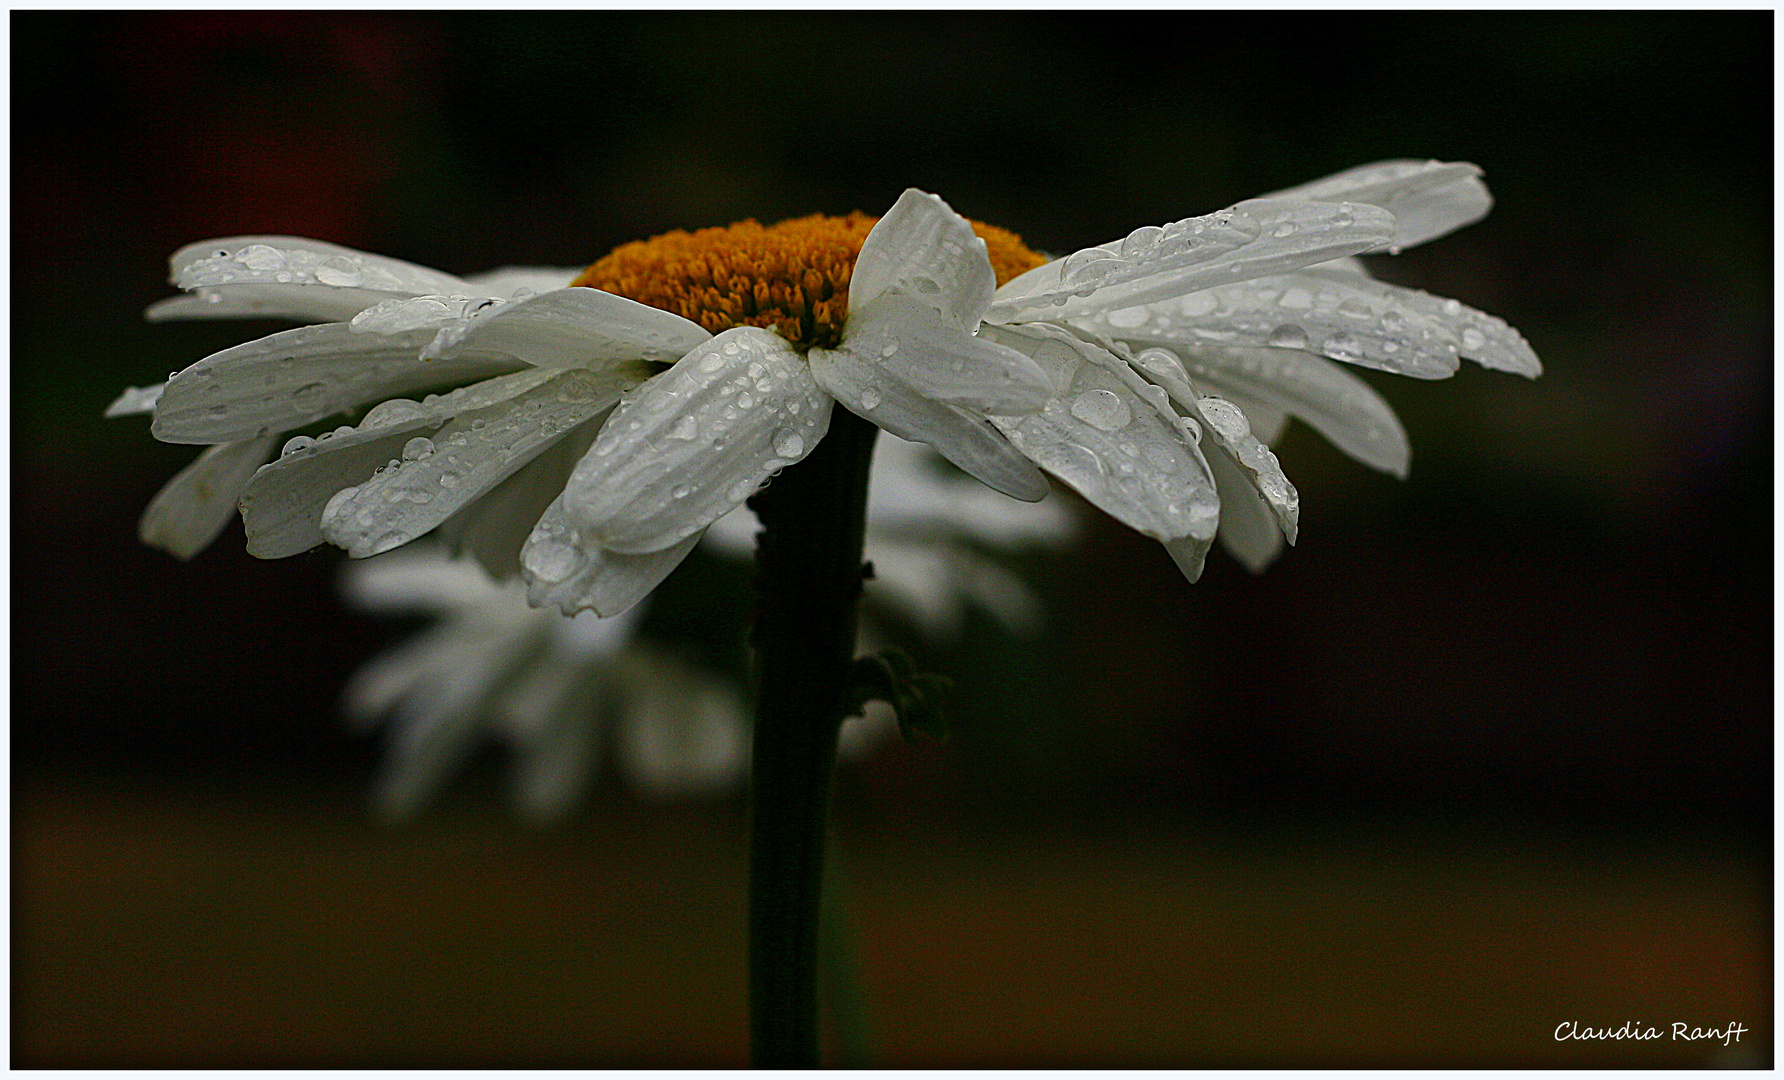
x=560, y=694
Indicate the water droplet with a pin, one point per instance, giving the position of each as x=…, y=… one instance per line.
x=681, y=491
x=1288, y=336
x=744, y=400
x=1343, y=347
x=1452, y=307
x=298, y=442
x=1393, y=322
x=338, y=271
x=927, y=286
x=685, y=428
x=417, y=448
x=551, y=560
x=712, y=362
x=870, y=397
x=789, y=444
x=522, y=293
x=1141, y=240
x=740, y=490
x=394, y=411
x=1287, y=228
x=1162, y=362
x=1128, y=318
x=1473, y=339
x=889, y=348
x=1102, y=409
x=449, y=480
x=261, y=257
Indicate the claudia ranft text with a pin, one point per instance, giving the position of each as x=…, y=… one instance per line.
x=1638, y=1032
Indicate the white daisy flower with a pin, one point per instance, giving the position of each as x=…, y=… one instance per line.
x=555, y=692
x=1104, y=368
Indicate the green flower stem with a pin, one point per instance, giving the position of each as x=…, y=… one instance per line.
x=808, y=563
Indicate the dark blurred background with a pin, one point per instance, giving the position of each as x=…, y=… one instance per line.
x=1489, y=751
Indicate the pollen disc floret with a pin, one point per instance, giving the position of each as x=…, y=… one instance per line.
x=791, y=277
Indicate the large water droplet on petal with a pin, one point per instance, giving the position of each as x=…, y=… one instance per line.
x=297, y=443
x=417, y=448
x=1288, y=336
x=870, y=397
x=686, y=428
x=789, y=443
x=1102, y=409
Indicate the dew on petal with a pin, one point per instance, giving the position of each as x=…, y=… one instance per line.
x=686, y=429
x=1102, y=409
x=1288, y=336
x=1473, y=339
x=870, y=397
x=418, y=448
x=296, y=444
x=789, y=443
x=1129, y=318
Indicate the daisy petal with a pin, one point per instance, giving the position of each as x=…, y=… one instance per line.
x=492, y=529
x=1337, y=404
x=1190, y=553
x=565, y=566
x=967, y=441
x=1231, y=434
x=1253, y=239
x=1427, y=198
x=909, y=342
x=283, y=505
x=1116, y=447
x=1356, y=320
x=924, y=250
x=508, y=280
x=696, y=440
x=1248, y=530
x=300, y=303
x=292, y=378
x=472, y=453
x=279, y=260
x=135, y=400
x=580, y=327
x=1486, y=339
x=197, y=504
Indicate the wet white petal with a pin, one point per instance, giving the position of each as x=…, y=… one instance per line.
x=279, y=260
x=1355, y=320
x=696, y=440
x=566, y=567
x=580, y=327
x=1427, y=198
x=467, y=457
x=300, y=303
x=968, y=441
x=1337, y=404
x=923, y=250
x=912, y=343
x=1248, y=530
x=282, y=507
x=400, y=314
x=135, y=400
x=1230, y=433
x=1253, y=239
x=1112, y=440
x=1189, y=553
x=1486, y=339
x=295, y=377
x=199, y=502
x=493, y=528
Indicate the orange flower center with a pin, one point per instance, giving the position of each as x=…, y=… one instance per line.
x=792, y=277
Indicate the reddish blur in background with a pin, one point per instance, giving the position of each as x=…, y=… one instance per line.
x=1488, y=753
